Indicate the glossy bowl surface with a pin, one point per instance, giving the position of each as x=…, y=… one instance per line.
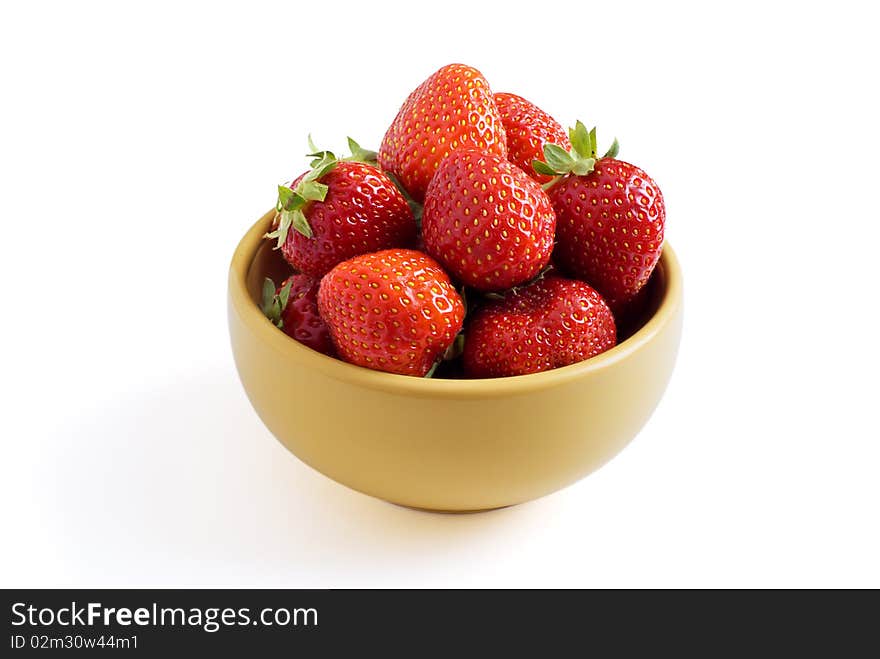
x=449, y=445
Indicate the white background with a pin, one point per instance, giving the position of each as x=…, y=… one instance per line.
x=138, y=142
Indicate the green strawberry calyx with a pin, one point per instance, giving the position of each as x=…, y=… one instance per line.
x=360, y=154
x=514, y=290
x=415, y=207
x=580, y=161
x=274, y=302
x=452, y=352
x=292, y=201
x=455, y=348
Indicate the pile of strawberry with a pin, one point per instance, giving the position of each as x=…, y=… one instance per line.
x=475, y=197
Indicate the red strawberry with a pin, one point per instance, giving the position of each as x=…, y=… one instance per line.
x=340, y=209
x=452, y=109
x=610, y=218
x=488, y=223
x=394, y=311
x=528, y=129
x=552, y=322
x=293, y=307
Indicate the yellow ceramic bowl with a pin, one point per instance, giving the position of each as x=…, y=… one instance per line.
x=448, y=445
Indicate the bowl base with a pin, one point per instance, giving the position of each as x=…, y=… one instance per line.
x=440, y=511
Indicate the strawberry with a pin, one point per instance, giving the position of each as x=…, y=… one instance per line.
x=528, y=128
x=452, y=109
x=487, y=222
x=610, y=217
x=293, y=308
x=393, y=310
x=549, y=323
x=339, y=209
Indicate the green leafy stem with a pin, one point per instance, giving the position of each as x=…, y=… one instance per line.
x=274, y=301
x=292, y=201
x=580, y=161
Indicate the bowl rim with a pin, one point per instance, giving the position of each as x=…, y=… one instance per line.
x=252, y=317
